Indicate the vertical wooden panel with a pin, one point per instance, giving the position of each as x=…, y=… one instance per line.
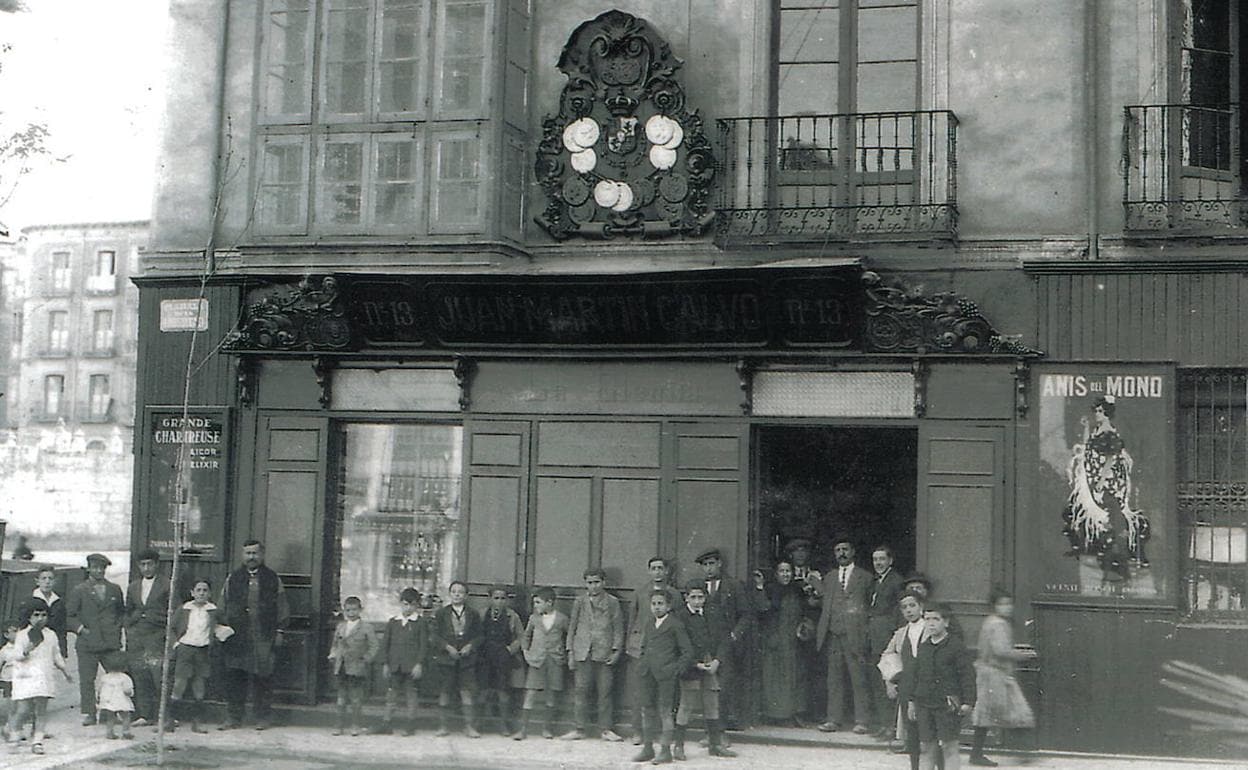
x=707, y=503
x=289, y=529
x=707, y=514
x=492, y=528
x=630, y=528
x=563, y=510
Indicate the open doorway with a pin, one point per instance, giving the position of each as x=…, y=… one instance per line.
x=820, y=482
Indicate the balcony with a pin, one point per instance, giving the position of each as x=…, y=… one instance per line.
x=853, y=177
x=1184, y=170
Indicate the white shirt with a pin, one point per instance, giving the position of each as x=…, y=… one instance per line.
x=712, y=586
x=51, y=599
x=844, y=576
x=198, y=626
x=548, y=620
x=658, y=622
x=914, y=633
x=145, y=588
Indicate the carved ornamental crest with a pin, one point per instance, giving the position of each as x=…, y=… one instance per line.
x=624, y=156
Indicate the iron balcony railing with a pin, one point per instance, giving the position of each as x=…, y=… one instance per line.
x=1184, y=170
x=889, y=175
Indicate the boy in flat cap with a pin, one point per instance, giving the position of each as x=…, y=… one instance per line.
x=94, y=613
x=726, y=602
x=700, y=683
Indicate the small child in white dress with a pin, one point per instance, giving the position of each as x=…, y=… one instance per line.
x=34, y=653
x=114, y=695
x=6, y=677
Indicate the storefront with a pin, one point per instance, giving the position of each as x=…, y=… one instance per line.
x=384, y=431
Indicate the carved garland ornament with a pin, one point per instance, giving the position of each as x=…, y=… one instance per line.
x=303, y=317
x=624, y=156
x=901, y=319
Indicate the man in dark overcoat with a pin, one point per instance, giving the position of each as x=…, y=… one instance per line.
x=253, y=604
x=94, y=613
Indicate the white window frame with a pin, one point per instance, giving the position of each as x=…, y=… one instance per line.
x=58, y=334
x=102, y=336
x=267, y=114
x=439, y=224
x=263, y=186
x=53, y=400
x=99, y=399
x=62, y=274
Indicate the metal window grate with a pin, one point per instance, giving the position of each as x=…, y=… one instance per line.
x=1212, y=492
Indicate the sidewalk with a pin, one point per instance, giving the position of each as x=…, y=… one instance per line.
x=297, y=747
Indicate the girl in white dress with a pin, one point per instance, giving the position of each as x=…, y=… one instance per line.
x=34, y=654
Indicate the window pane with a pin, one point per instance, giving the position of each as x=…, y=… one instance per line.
x=341, y=182
x=399, y=507
x=810, y=34
x=463, y=58
x=457, y=191
x=102, y=329
x=395, y=180
x=346, y=57
x=399, y=66
x=286, y=72
x=99, y=395
x=283, y=187
x=884, y=87
x=887, y=34
x=807, y=89
x=53, y=390
x=105, y=262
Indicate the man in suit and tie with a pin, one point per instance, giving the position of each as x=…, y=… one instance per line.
x=883, y=618
x=94, y=613
x=724, y=601
x=147, y=612
x=842, y=636
x=666, y=653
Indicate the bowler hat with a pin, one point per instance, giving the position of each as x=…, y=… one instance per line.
x=710, y=553
x=99, y=558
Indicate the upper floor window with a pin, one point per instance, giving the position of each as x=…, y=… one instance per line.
x=100, y=396
x=58, y=331
x=17, y=327
x=102, y=330
x=377, y=114
x=1212, y=465
x=60, y=271
x=105, y=263
x=53, y=395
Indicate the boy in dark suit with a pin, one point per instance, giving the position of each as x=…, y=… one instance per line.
x=404, y=646
x=147, y=607
x=700, y=684
x=665, y=653
x=457, y=635
x=941, y=689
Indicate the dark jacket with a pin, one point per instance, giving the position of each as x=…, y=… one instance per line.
x=405, y=647
x=666, y=652
x=56, y=619
x=845, y=610
x=443, y=634
x=145, y=621
x=731, y=605
x=640, y=615
x=252, y=647
x=708, y=635
x=883, y=610
x=942, y=670
x=100, y=619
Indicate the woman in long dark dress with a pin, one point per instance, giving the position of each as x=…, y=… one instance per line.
x=780, y=614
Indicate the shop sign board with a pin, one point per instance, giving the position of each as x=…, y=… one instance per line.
x=1105, y=482
x=201, y=440
x=184, y=315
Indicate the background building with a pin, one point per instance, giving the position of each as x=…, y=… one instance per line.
x=71, y=326
x=499, y=289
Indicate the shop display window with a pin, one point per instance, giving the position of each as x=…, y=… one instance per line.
x=398, y=512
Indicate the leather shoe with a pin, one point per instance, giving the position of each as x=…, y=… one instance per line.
x=828, y=727
x=722, y=751
x=678, y=752
x=645, y=755
x=861, y=729
x=979, y=760
x=87, y=720
x=664, y=757
x=611, y=736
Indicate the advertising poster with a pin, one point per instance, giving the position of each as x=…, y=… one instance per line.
x=204, y=433
x=1105, y=481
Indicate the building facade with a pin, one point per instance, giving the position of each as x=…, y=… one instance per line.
x=502, y=289
x=70, y=332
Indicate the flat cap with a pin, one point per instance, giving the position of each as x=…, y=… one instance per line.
x=147, y=554
x=797, y=542
x=710, y=553
x=99, y=558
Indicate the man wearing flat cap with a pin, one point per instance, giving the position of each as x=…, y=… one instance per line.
x=726, y=601
x=94, y=613
x=147, y=613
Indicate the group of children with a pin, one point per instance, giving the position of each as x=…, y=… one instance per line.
x=31, y=656
x=480, y=658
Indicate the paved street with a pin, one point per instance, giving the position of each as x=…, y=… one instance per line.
x=285, y=748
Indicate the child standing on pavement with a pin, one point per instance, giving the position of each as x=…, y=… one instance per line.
x=665, y=652
x=353, y=648
x=500, y=648
x=545, y=652
x=941, y=691
x=595, y=643
x=700, y=684
x=114, y=695
x=194, y=628
x=455, y=640
x=35, y=653
x=6, y=677
x=404, y=646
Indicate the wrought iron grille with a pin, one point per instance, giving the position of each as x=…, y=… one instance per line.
x=849, y=176
x=1212, y=477
x=1184, y=168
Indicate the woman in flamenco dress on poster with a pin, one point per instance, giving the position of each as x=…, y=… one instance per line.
x=1099, y=519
